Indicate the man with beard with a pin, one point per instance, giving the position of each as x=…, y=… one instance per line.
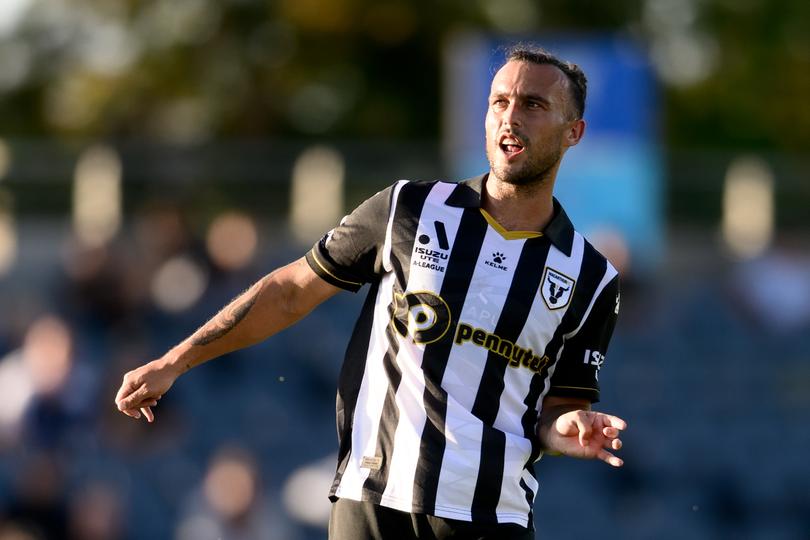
x=480, y=342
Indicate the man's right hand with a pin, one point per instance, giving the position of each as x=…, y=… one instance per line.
x=270, y=305
x=143, y=387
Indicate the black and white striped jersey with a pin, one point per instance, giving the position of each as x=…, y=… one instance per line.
x=466, y=328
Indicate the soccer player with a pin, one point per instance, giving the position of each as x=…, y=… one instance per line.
x=479, y=345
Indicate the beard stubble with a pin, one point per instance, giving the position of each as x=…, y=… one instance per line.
x=533, y=172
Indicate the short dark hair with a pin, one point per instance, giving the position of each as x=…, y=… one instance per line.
x=577, y=82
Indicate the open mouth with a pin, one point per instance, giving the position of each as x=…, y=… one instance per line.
x=511, y=149
x=510, y=146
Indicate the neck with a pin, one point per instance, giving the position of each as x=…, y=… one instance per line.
x=518, y=208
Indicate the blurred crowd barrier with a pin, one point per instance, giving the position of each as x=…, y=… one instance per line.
x=114, y=255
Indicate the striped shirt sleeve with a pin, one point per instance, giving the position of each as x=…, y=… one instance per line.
x=577, y=371
x=350, y=255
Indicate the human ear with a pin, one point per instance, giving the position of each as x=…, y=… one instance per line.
x=574, y=132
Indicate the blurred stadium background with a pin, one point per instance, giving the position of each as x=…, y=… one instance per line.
x=158, y=156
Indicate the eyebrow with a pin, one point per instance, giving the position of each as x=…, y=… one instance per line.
x=536, y=97
x=525, y=97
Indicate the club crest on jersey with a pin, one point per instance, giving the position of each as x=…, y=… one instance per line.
x=556, y=288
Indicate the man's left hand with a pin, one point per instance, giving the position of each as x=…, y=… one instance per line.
x=585, y=434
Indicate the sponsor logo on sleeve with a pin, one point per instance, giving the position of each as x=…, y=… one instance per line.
x=594, y=358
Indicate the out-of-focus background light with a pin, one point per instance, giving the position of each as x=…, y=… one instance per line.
x=298, y=490
x=8, y=230
x=178, y=284
x=156, y=158
x=748, y=213
x=5, y=159
x=317, y=193
x=97, y=196
x=231, y=240
x=8, y=233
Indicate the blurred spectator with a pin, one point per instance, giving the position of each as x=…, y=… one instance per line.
x=161, y=231
x=16, y=389
x=37, y=502
x=305, y=492
x=95, y=513
x=13, y=531
x=612, y=244
x=105, y=284
x=775, y=289
x=35, y=403
x=230, y=505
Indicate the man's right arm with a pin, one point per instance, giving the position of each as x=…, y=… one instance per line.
x=345, y=258
x=273, y=303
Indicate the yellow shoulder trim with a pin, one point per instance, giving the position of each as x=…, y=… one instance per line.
x=325, y=269
x=509, y=235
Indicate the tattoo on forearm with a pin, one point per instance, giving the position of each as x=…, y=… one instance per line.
x=227, y=319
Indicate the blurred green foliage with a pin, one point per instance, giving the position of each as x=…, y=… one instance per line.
x=735, y=73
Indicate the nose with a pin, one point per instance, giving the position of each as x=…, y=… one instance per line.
x=511, y=115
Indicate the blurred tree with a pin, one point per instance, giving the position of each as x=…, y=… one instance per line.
x=735, y=73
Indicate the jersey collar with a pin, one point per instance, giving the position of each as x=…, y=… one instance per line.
x=467, y=194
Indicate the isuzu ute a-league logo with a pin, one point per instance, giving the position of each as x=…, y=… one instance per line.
x=425, y=256
x=556, y=288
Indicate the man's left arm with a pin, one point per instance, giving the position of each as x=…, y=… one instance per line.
x=567, y=424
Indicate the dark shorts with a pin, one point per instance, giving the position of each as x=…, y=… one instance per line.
x=352, y=520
